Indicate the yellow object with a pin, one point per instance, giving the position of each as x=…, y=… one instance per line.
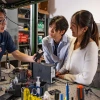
x=31, y=97
x=26, y=93
x=65, y=98
x=26, y=29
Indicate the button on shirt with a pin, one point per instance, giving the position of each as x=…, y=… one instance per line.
x=6, y=43
x=62, y=51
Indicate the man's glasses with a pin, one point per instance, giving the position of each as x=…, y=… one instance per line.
x=2, y=21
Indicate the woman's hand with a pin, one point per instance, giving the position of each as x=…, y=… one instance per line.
x=58, y=73
x=61, y=76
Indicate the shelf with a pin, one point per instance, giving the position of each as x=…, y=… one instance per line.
x=22, y=30
x=43, y=11
x=22, y=45
x=25, y=9
x=41, y=20
x=41, y=32
x=39, y=43
x=23, y=18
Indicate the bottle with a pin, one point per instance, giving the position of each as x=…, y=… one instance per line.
x=38, y=85
x=26, y=51
x=15, y=80
x=42, y=26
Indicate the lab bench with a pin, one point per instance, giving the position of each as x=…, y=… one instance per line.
x=59, y=86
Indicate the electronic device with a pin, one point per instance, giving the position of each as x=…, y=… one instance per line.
x=45, y=71
x=52, y=92
x=38, y=56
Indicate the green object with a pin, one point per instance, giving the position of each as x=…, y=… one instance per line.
x=40, y=26
x=39, y=39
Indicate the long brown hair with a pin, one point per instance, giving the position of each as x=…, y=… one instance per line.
x=85, y=18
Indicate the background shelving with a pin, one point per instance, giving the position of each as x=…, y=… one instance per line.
x=24, y=29
x=41, y=29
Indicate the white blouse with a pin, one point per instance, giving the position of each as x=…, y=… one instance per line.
x=82, y=63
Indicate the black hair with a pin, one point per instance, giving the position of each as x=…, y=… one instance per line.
x=60, y=22
x=2, y=11
x=85, y=18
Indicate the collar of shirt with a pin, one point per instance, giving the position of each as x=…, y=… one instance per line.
x=64, y=40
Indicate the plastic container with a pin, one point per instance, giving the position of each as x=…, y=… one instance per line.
x=38, y=85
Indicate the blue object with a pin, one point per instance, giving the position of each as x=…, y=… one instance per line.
x=67, y=91
x=61, y=96
x=34, y=89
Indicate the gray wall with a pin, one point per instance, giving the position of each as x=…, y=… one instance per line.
x=12, y=28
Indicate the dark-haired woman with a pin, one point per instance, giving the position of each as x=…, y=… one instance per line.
x=83, y=53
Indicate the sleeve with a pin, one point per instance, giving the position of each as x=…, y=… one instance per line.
x=63, y=69
x=46, y=51
x=64, y=66
x=10, y=44
x=58, y=65
x=90, y=66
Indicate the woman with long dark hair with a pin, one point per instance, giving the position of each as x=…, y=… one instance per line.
x=82, y=61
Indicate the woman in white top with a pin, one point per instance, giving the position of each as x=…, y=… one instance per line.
x=82, y=59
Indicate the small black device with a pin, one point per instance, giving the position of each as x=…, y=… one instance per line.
x=38, y=56
x=53, y=92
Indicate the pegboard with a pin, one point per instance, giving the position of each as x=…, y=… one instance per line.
x=72, y=91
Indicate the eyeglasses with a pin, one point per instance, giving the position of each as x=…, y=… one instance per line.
x=2, y=21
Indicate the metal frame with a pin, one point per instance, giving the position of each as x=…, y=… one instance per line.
x=17, y=3
x=33, y=28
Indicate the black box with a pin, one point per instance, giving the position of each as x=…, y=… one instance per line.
x=45, y=71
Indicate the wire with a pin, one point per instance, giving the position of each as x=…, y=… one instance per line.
x=90, y=90
x=94, y=93
x=13, y=21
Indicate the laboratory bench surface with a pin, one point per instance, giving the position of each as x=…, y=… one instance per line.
x=60, y=86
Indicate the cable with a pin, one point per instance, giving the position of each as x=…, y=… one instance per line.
x=94, y=93
x=13, y=21
x=90, y=90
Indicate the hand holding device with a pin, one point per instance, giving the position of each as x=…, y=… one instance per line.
x=38, y=56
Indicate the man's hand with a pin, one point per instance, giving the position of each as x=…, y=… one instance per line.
x=38, y=60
